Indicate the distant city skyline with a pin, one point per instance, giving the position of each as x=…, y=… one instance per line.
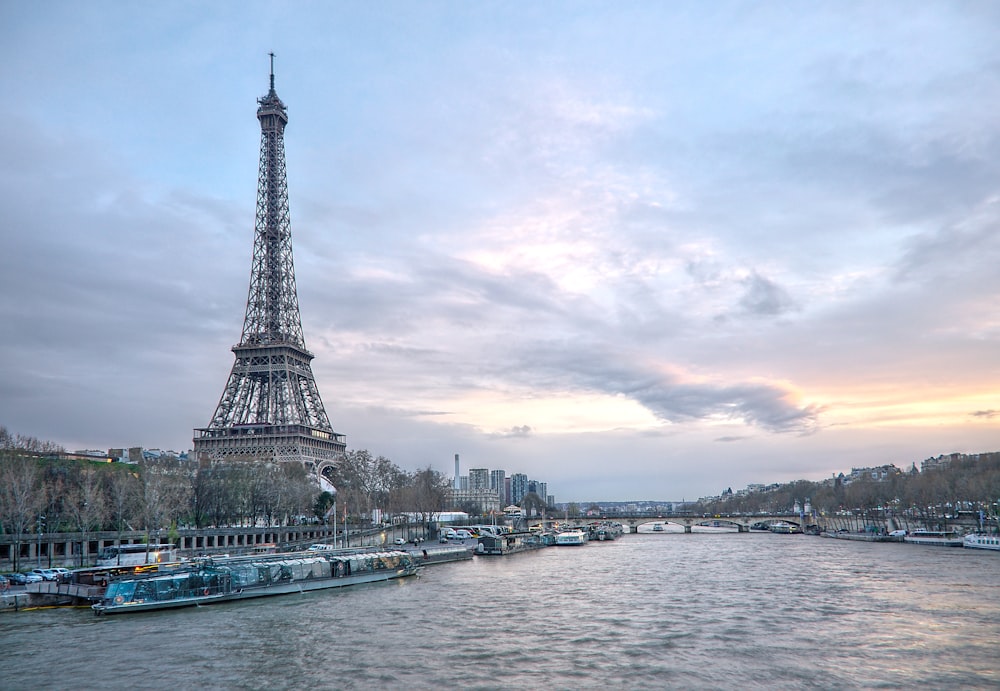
x=637, y=250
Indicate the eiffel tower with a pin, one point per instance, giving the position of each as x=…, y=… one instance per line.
x=270, y=409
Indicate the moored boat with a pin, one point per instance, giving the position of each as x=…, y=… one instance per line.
x=784, y=528
x=222, y=580
x=980, y=541
x=715, y=527
x=602, y=532
x=509, y=543
x=571, y=537
x=940, y=538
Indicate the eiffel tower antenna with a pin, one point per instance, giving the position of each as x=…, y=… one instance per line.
x=271, y=409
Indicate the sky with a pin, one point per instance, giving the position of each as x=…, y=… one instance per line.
x=636, y=250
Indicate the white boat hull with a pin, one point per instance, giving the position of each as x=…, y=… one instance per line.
x=571, y=538
x=990, y=542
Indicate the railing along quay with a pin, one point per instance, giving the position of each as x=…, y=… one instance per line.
x=81, y=549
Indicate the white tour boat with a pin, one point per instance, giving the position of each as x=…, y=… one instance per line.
x=977, y=541
x=571, y=537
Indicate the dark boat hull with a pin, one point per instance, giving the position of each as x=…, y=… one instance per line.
x=248, y=593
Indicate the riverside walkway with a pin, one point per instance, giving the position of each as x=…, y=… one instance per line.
x=81, y=549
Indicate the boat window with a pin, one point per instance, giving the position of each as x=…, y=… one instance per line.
x=144, y=590
x=123, y=589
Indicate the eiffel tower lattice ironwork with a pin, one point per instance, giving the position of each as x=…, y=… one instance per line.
x=271, y=407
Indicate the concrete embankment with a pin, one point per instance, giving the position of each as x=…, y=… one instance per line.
x=49, y=594
x=14, y=601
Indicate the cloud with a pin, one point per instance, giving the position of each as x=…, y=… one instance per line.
x=665, y=390
x=583, y=245
x=767, y=406
x=765, y=298
x=521, y=431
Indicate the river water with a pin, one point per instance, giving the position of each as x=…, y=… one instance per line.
x=723, y=611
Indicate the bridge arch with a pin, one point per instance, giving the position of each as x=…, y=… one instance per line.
x=324, y=475
x=742, y=522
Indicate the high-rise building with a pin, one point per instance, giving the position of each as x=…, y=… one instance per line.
x=479, y=478
x=270, y=409
x=518, y=487
x=497, y=478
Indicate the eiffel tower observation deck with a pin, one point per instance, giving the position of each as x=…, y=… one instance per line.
x=271, y=409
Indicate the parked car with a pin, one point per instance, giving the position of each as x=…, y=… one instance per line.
x=46, y=574
x=16, y=578
x=399, y=541
x=62, y=574
x=31, y=578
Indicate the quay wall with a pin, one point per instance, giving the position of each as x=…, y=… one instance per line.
x=12, y=602
x=861, y=524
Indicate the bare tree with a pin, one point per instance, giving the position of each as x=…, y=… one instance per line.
x=22, y=496
x=123, y=489
x=166, y=494
x=87, y=505
x=428, y=493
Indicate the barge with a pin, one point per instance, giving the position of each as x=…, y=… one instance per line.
x=211, y=581
x=509, y=543
x=940, y=538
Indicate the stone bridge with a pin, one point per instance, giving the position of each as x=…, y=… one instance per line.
x=742, y=522
x=745, y=522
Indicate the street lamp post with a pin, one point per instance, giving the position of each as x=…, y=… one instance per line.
x=38, y=549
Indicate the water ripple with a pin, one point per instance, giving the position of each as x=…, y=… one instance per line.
x=644, y=612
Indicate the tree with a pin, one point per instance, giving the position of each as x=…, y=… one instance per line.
x=532, y=504
x=427, y=493
x=123, y=489
x=22, y=496
x=166, y=494
x=86, y=504
x=365, y=482
x=324, y=502
x=295, y=491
